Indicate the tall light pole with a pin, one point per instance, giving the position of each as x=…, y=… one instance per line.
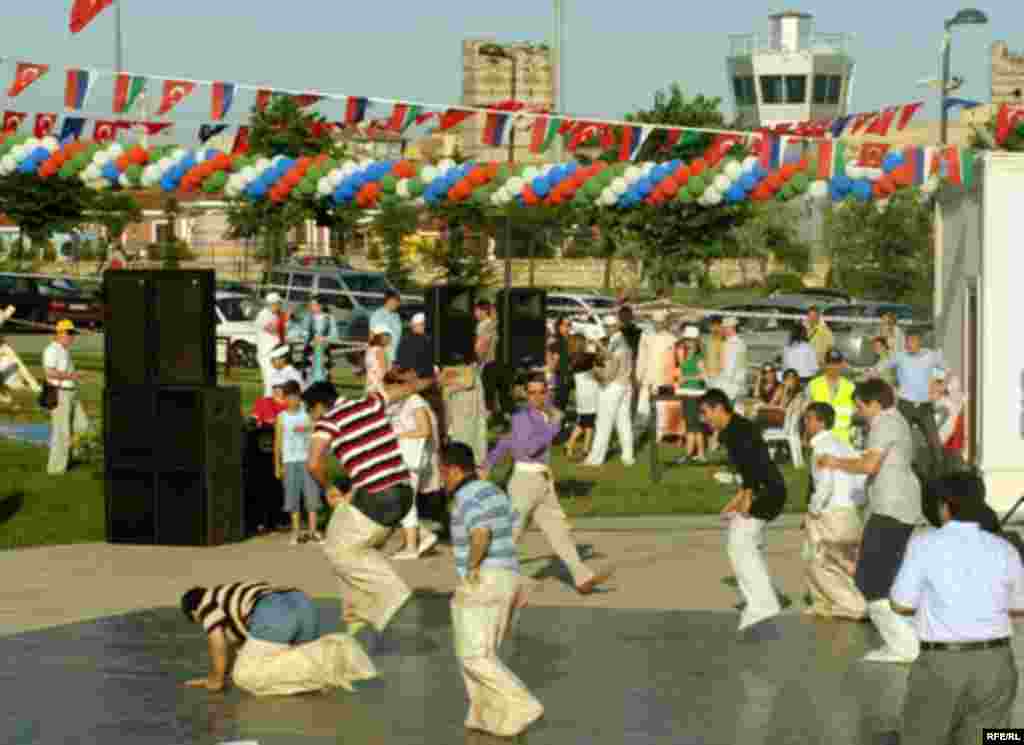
x=557, y=71
x=118, y=38
x=965, y=17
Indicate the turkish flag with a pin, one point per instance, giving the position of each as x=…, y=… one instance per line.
x=872, y=154
x=83, y=11
x=263, y=96
x=154, y=128
x=44, y=125
x=106, y=131
x=175, y=91
x=26, y=75
x=241, y=145
x=13, y=120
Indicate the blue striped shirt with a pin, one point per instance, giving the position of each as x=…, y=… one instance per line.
x=481, y=504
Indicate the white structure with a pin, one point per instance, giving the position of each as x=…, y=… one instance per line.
x=792, y=75
x=979, y=306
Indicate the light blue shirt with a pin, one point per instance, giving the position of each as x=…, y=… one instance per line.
x=296, y=430
x=481, y=504
x=962, y=581
x=384, y=318
x=914, y=372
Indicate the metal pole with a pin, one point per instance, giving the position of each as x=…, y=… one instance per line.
x=947, y=38
x=512, y=128
x=557, y=68
x=118, y=38
x=506, y=318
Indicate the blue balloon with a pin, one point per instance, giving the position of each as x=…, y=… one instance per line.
x=27, y=166
x=643, y=187
x=660, y=173
x=541, y=187
x=189, y=161
x=735, y=193
x=843, y=183
x=674, y=165
x=168, y=184
x=348, y=191
x=41, y=154
x=892, y=161
x=358, y=180
x=862, y=190
x=573, y=166
x=110, y=172
x=835, y=193
x=748, y=182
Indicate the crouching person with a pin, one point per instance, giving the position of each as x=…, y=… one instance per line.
x=489, y=593
x=277, y=631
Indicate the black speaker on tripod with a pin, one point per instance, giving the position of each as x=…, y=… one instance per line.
x=525, y=325
x=452, y=323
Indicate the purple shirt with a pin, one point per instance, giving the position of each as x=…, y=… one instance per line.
x=529, y=440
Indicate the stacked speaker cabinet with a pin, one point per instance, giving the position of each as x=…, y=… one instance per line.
x=452, y=323
x=525, y=325
x=173, y=439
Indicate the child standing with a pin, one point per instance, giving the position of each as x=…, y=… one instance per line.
x=587, y=390
x=291, y=449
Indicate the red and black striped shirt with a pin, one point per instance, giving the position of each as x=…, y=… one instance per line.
x=362, y=438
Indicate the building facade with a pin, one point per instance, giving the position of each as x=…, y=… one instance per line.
x=791, y=75
x=1007, y=75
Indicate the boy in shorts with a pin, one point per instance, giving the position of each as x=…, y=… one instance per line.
x=291, y=450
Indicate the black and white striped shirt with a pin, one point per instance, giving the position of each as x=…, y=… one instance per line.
x=362, y=438
x=229, y=606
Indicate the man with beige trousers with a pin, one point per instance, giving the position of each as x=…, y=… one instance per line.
x=532, y=488
x=655, y=365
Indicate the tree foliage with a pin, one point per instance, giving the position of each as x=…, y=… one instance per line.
x=772, y=232
x=115, y=211
x=884, y=252
x=393, y=224
x=42, y=208
x=671, y=106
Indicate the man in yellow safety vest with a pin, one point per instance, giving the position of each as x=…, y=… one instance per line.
x=833, y=389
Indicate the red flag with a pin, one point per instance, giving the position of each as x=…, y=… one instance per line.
x=721, y=145
x=583, y=132
x=83, y=11
x=453, y=118
x=397, y=118
x=1006, y=121
x=860, y=120
x=907, y=113
x=672, y=138
x=44, y=125
x=566, y=126
x=263, y=96
x=424, y=118
x=154, y=128
x=104, y=131
x=27, y=73
x=175, y=91
x=881, y=125
x=303, y=100
x=241, y=145
x=13, y=120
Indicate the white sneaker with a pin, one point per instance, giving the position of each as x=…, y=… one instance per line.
x=724, y=477
x=885, y=654
x=427, y=543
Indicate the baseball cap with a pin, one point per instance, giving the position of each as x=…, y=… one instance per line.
x=64, y=326
x=419, y=318
x=731, y=322
x=279, y=352
x=380, y=330
x=834, y=357
x=273, y=298
x=691, y=332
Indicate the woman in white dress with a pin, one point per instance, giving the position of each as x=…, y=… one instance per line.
x=418, y=439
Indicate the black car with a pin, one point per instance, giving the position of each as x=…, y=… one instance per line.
x=30, y=303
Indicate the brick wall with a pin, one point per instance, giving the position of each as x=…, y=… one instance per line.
x=1007, y=74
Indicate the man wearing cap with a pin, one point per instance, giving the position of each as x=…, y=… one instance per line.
x=655, y=363
x=68, y=419
x=614, y=401
x=387, y=317
x=271, y=323
x=318, y=330
x=281, y=368
x=835, y=390
x=818, y=333
x=733, y=376
x=415, y=355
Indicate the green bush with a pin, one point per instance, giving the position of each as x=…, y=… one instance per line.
x=783, y=282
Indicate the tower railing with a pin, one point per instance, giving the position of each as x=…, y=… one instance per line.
x=744, y=45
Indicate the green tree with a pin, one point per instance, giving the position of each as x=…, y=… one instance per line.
x=115, y=211
x=671, y=106
x=885, y=252
x=393, y=224
x=772, y=232
x=454, y=259
x=41, y=208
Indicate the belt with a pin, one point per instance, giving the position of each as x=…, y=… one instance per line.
x=964, y=646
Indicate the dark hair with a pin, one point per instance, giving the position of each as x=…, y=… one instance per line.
x=798, y=334
x=292, y=388
x=343, y=483
x=716, y=398
x=882, y=340
x=964, y=493
x=823, y=412
x=537, y=378
x=875, y=390
x=190, y=602
x=460, y=455
x=553, y=348
x=712, y=320
x=320, y=393
x=625, y=314
x=584, y=362
x=789, y=372
x=391, y=295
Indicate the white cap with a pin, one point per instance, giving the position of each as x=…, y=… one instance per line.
x=279, y=352
x=612, y=320
x=273, y=298
x=731, y=322
x=691, y=332
x=379, y=330
x=419, y=318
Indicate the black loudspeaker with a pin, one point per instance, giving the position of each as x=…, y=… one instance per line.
x=173, y=465
x=160, y=328
x=452, y=323
x=526, y=325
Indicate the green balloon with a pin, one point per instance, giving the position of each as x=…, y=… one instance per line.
x=685, y=196
x=134, y=172
x=800, y=182
x=67, y=171
x=330, y=165
x=605, y=177
x=504, y=173
x=415, y=187
x=786, y=192
x=592, y=188
x=388, y=184
x=80, y=161
x=696, y=184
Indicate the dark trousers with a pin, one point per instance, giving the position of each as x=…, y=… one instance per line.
x=882, y=548
x=930, y=460
x=497, y=384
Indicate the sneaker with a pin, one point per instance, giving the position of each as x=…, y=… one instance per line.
x=682, y=460
x=427, y=543
x=315, y=537
x=700, y=460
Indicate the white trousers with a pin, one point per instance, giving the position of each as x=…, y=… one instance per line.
x=897, y=631
x=744, y=543
x=268, y=669
x=613, y=410
x=265, y=373
x=644, y=405
x=66, y=421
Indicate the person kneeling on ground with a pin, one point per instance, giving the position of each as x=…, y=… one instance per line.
x=281, y=651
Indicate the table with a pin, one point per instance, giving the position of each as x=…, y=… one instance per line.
x=653, y=426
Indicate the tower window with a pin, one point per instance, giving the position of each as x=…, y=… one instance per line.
x=796, y=89
x=743, y=88
x=827, y=89
x=771, y=89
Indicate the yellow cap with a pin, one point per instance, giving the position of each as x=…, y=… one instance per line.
x=64, y=326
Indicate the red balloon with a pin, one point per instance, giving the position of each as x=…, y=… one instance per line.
x=773, y=181
x=669, y=187
x=529, y=196
x=682, y=175
x=804, y=164
x=478, y=176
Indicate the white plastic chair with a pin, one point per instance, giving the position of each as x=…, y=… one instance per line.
x=789, y=432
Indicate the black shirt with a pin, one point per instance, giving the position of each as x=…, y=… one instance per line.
x=632, y=334
x=415, y=352
x=749, y=454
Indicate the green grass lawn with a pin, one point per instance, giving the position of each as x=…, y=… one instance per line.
x=36, y=509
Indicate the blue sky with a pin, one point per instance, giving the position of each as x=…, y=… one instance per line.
x=617, y=53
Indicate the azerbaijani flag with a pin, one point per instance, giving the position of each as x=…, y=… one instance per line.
x=223, y=97
x=632, y=138
x=826, y=149
x=957, y=166
x=543, y=134
x=127, y=89
x=76, y=90
x=770, y=151
x=495, y=128
x=355, y=110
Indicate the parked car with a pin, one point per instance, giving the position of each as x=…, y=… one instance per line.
x=23, y=293
x=46, y=300
x=236, y=322
x=587, y=312
x=854, y=339
x=814, y=296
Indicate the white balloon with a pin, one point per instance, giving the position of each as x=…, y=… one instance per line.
x=428, y=174
x=818, y=190
x=402, y=188
x=51, y=144
x=632, y=175
x=733, y=169
x=546, y=169
x=124, y=181
x=514, y=186
x=116, y=150
x=646, y=167
x=91, y=172
x=619, y=186
x=871, y=174
x=931, y=185
x=710, y=192
x=102, y=158
x=166, y=164
x=200, y=156
x=33, y=142
x=748, y=163
x=19, y=152
x=262, y=164
x=179, y=154
x=446, y=164
x=232, y=191
x=853, y=171
x=714, y=198
x=530, y=173
x=722, y=182
x=249, y=174
x=9, y=162
x=346, y=170
x=335, y=177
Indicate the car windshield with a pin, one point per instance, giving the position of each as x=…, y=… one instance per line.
x=372, y=283
x=600, y=303
x=236, y=309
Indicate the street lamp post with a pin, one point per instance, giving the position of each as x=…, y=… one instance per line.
x=965, y=17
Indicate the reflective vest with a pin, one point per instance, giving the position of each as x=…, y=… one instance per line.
x=842, y=402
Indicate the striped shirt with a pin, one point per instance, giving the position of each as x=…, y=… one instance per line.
x=229, y=606
x=362, y=438
x=481, y=504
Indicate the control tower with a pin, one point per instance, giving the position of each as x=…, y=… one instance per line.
x=791, y=75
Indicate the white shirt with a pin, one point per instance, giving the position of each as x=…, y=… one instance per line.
x=587, y=390
x=266, y=341
x=282, y=376
x=802, y=358
x=56, y=357
x=834, y=489
x=963, y=581
x=734, y=367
